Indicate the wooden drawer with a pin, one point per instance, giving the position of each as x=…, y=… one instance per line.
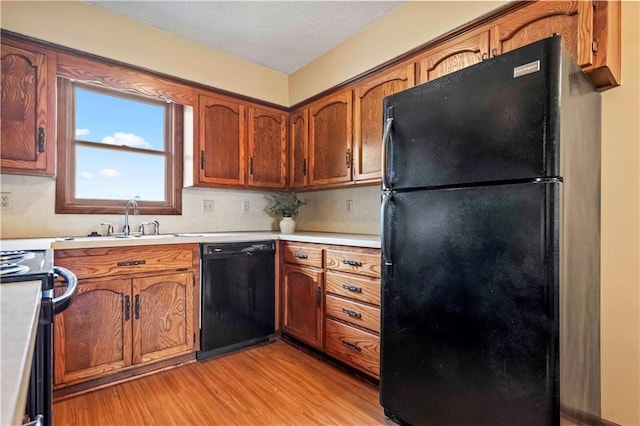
x=352, y=346
x=103, y=262
x=302, y=254
x=353, y=262
x=353, y=312
x=358, y=288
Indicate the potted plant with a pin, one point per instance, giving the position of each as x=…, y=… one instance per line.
x=286, y=206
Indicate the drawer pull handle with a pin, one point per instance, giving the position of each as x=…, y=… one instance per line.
x=351, y=313
x=132, y=263
x=352, y=346
x=127, y=308
x=352, y=288
x=136, y=307
x=301, y=255
x=352, y=262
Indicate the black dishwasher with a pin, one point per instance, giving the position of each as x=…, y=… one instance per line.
x=237, y=303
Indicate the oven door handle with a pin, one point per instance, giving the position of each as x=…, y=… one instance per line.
x=61, y=303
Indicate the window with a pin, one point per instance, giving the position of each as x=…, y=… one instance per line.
x=115, y=146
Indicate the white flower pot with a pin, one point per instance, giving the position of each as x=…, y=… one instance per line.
x=287, y=225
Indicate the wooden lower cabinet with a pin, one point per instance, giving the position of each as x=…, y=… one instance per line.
x=353, y=346
x=302, y=303
x=93, y=336
x=134, y=308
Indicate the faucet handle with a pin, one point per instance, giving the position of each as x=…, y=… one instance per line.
x=109, y=227
x=156, y=227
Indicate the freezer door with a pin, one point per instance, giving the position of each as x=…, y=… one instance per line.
x=469, y=309
x=488, y=122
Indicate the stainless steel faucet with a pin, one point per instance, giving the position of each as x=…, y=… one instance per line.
x=133, y=203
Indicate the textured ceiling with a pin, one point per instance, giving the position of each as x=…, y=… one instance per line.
x=283, y=35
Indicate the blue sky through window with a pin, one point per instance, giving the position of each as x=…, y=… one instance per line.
x=113, y=174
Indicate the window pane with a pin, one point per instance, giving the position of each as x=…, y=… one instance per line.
x=118, y=121
x=116, y=175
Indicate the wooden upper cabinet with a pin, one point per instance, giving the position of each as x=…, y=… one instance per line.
x=28, y=109
x=299, y=148
x=92, y=337
x=267, y=148
x=221, y=141
x=163, y=316
x=368, y=114
x=453, y=55
x=330, y=137
x=573, y=20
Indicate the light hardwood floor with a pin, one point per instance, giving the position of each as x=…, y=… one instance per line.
x=275, y=384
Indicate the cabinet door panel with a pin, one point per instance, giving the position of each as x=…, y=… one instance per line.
x=221, y=157
x=27, y=121
x=454, y=55
x=162, y=313
x=573, y=20
x=302, y=304
x=299, y=156
x=330, y=139
x=368, y=118
x=267, y=148
x=93, y=335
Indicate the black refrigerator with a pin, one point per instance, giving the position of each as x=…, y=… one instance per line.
x=491, y=246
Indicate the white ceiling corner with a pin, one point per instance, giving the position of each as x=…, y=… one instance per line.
x=282, y=35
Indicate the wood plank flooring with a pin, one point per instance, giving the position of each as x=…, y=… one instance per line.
x=275, y=384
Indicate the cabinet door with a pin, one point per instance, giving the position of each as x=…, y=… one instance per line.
x=454, y=55
x=221, y=141
x=573, y=20
x=267, y=148
x=299, y=154
x=330, y=139
x=162, y=316
x=27, y=120
x=302, y=304
x=93, y=336
x=367, y=118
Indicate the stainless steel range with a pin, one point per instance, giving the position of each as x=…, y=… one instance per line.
x=37, y=265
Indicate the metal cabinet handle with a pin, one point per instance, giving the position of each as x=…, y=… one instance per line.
x=301, y=255
x=385, y=139
x=494, y=52
x=318, y=296
x=352, y=262
x=348, y=158
x=127, y=308
x=136, y=307
x=352, y=314
x=304, y=167
x=202, y=160
x=132, y=263
x=40, y=139
x=250, y=165
x=352, y=288
x=352, y=346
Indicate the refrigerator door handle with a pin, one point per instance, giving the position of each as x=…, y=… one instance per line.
x=386, y=198
x=385, y=138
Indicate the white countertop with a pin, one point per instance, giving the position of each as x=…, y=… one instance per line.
x=19, y=314
x=357, y=240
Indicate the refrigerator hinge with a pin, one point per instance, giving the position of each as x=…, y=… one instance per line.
x=594, y=46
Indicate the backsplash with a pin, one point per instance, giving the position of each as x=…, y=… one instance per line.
x=31, y=213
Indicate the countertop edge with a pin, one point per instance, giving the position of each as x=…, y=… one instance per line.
x=20, y=340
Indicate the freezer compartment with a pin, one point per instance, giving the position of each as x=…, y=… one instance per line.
x=484, y=123
x=470, y=305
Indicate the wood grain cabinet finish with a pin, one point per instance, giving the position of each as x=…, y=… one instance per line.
x=354, y=261
x=355, y=287
x=302, y=305
x=299, y=148
x=353, y=346
x=368, y=114
x=267, y=146
x=125, y=318
x=221, y=141
x=454, y=55
x=330, y=137
x=93, y=336
x=28, y=109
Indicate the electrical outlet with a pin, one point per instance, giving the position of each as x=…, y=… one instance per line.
x=207, y=206
x=349, y=206
x=245, y=207
x=6, y=203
